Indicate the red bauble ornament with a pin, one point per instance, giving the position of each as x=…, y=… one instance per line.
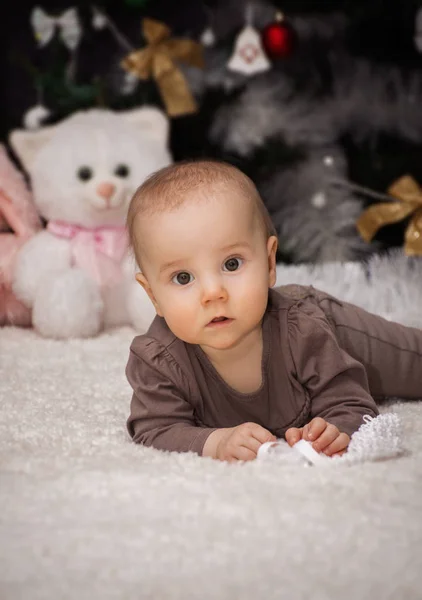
x=278, y=38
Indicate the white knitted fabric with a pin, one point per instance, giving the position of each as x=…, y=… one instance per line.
x=378, y=438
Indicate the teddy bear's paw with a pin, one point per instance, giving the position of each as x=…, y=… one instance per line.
x=68, y=305
x=140, y=308
x=40, y=256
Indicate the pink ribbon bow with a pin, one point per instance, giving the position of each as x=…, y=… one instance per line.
x=99, y=251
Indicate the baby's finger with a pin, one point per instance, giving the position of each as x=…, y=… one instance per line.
x=260, y=434
x=315, y=428
x=338, y=446
x=326, y=438
x=293, y=435
x=305, y=432
x=252, y=444
x=243, y=453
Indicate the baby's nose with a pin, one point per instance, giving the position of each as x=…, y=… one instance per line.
x=213, y=290
x=105, y=190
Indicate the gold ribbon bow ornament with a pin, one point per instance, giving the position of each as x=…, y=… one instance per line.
x=158, y=58
x=409, y=194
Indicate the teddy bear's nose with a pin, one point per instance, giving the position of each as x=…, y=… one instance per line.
x=105, y=189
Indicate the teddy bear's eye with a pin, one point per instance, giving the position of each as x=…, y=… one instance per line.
x=85, y=173
x=121, y=170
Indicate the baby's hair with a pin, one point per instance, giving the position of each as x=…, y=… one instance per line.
x=168, y=188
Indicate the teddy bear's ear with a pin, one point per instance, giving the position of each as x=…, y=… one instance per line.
x=26, y=144
x=151, y=121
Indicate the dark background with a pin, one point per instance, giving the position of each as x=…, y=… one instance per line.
x=381, y=30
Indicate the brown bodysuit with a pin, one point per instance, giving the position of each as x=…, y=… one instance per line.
x=321, y=357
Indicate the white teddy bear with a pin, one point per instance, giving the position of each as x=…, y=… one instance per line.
x=77, y=274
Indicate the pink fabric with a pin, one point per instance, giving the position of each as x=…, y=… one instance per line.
x=19, y=221
x=99, y=251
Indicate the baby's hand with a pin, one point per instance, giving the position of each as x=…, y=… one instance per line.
x=241, y=442
x=325, y=437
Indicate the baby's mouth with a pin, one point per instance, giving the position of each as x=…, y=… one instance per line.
x=220, y=320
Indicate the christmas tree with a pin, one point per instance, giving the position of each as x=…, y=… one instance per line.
x=321, y=109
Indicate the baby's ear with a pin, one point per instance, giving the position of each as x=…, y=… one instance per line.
x=272, y=244
x=143, y=281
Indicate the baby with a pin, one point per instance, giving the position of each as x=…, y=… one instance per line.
x=230, y=362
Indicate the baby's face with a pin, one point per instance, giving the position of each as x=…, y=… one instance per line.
x=207, y=266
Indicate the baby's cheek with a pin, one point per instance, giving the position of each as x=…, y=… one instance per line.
x=254, y=299
x=179, y=314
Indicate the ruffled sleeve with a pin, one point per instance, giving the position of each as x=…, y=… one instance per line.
x=337, y=384
x=160, y=413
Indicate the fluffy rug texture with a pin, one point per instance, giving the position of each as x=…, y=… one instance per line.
x=87, y=514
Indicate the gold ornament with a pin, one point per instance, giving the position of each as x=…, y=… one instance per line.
x=409, y=194
x=158, y=58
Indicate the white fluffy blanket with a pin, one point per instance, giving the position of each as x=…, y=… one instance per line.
x=86, y=514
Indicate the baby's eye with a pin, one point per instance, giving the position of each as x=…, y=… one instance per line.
x=182, y=278
x=232, y=264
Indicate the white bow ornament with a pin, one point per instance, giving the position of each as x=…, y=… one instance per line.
x=67, y=23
